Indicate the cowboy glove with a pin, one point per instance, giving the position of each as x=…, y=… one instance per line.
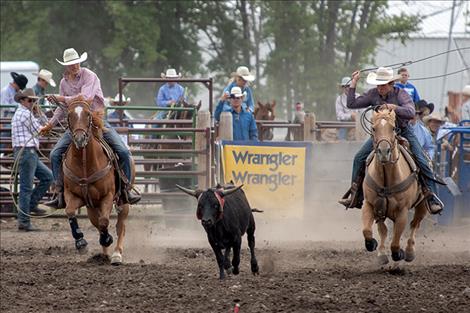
x=45, y=129
x=388, y=106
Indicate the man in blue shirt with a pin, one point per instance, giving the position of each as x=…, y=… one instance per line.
x=169, y=93
x=241, y=78
x=404, y=84
x=244, y=124
x=8, y=92
x=423, y=135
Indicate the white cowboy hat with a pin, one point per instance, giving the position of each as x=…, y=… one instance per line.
x=436, y=116
x=171, y=73
x=124, y=99
x=466, y=90
x=383, y=76
x=346, y=81
x=47, y=76
x=71, y=57
x=237, y=92
x=244, y=73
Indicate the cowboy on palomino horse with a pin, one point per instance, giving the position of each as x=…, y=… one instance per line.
x=392, y=98
x=78, y=81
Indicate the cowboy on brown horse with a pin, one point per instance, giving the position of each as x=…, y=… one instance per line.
x=79, y=81
x=392, y=98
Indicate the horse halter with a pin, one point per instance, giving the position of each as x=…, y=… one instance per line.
x=86, y=131
x=392, y=143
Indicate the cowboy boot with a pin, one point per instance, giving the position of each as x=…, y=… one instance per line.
x=58, y=201
x=132, y=198
x=351, y=197
x=435, y=205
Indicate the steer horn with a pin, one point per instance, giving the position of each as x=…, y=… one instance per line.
x=230, y=191
x=190, y=192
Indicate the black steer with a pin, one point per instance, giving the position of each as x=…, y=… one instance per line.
x=226, y=215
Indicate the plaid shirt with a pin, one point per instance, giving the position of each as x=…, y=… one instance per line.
x=24, y=126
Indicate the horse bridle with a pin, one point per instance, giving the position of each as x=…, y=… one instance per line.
x=392, y=142
x=85, y=131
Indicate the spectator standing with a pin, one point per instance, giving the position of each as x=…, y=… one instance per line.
x=242, y=79
x=404, y=84
x=25, y=130
x=7, y=95
x=44, y=79
x=343, y=114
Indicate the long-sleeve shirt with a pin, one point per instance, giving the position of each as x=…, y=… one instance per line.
x=424, y=138
x=342, y=111
x=39, y=91
x=405, y=110
x=7, y=96
x=248, y=101
x=168, y=93
x=466, y=110
x=410, y=89
x=86, y=84
x=24, y=128
x=244, y=126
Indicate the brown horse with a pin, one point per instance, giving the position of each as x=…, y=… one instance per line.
x=391, y=189
x=265, y=112
x=89, y=179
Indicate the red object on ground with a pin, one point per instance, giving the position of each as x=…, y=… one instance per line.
x=236, y=309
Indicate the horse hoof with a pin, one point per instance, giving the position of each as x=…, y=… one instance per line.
x=106, y=241
x=371, y=245
x=410, y=256
x=116, y=259
x=382, y=259
x=81, y=245
x=398, y=256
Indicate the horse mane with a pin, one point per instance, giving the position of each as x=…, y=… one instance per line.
x=388, y=115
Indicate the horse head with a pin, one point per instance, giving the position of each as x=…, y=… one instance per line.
x=383, y=130
x=265, y=112
x=80, y=121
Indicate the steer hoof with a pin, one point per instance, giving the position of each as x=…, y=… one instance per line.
x=229, y=270
x=254, y=268
x=398, y=256
x=236, y=271
x=409, y=256
x=81, y=245
x=371, y=245
x=116, y=258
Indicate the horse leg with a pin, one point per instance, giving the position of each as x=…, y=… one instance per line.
x=103, y=222
x=116, y=258
x=72, y=204
x=382, y=255
x=398, y=227
x=367, y=222
x=420, y=213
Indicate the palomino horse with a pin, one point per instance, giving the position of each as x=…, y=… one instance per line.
x=265, y=112
x=391, y=189
x=89, y=179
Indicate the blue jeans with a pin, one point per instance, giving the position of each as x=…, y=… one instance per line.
x=29, y=167
x=359, y=163
x=343, y=133
x=110, y=136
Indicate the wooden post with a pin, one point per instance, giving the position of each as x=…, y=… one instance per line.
x=203, y=121
x=225, y=126
x=309, y=127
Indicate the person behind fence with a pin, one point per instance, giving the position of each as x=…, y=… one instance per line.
x=169, y=93
x=79, y=81
x=466, y=103
x=25, y=129
x=434, y=122
x=404, y=84
x=119, y=114
x=44, y=80
x=423, y=108
x=423, y=135
x=243, y=122
x=344, y=114
x=241, y=78
x=390, y=97
x=7, y=95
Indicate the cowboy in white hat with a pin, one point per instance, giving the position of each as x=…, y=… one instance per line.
x=44, y=79
x=244, y=124
x=466, y=103
x=80, y=81
x=343, y=114
x=241, y=78
x=387, y=96
x=169, y=93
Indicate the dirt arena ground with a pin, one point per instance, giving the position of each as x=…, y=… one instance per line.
x=305, y=267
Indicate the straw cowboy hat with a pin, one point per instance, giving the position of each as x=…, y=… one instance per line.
x=27, y=93
x=236, y=92
x=47, y=76
x=384, y=75
x=436, y=116
x=244, y=73
x=71, y=57
x=346, y=81
x=171, y=73
x=19, y=79
x=124, y=99
x=466, y=90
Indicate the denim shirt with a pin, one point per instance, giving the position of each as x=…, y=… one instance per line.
x=248, y=101
x=244, y=126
